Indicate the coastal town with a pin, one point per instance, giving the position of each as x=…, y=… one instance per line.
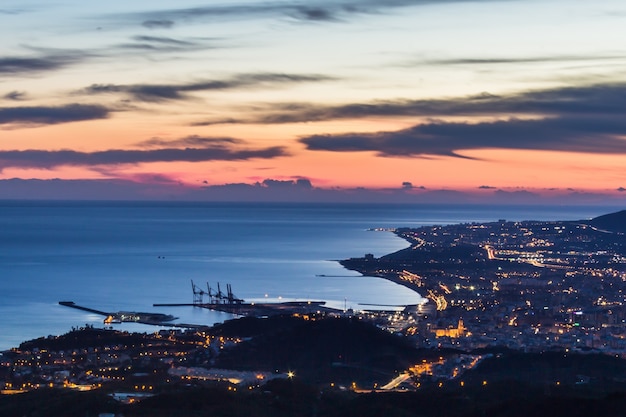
x=527, y=287
x=531, y=286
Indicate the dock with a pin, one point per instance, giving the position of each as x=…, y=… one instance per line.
x=227, y=302
x=260, y=309
x=126, y=316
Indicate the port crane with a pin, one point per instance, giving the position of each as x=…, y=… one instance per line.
x=211, y=293
x=215, y=297
x=220, y=296
x=198, y=294
x=231, y=297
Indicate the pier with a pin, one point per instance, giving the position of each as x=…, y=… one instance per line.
x=260, y=309
x=126, y=316
x=229, y=303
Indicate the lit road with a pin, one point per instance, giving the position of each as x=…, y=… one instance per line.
x=396, y=381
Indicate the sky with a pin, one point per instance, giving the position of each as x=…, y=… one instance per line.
x=404, y=100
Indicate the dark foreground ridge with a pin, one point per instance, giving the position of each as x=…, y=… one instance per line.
x=297, y=367
x=287, y=398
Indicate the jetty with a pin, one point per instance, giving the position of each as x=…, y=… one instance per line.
x=229, y=303
x=126, y=316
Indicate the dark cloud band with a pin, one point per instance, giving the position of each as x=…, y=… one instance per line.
x=192, y=141
x=580, y=101
x=21, y=65
x=587, y=119
x=52, y=159
x=586, y=135
x=51, y=115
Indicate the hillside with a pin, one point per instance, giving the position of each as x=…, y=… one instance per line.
x=613, y=222
x=323, y=350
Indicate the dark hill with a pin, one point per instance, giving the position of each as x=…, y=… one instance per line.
x=84, y=338
x=331, y=349
x=613, y=222
x=547, y=367
x=253, y=326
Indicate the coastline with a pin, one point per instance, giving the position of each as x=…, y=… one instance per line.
x=368, y=265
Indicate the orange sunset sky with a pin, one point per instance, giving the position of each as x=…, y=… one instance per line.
x=398, y=98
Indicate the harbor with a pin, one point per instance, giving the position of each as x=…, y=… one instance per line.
x=215, y=300
x=228, y=303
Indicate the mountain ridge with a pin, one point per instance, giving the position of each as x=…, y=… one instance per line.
x=612, y=222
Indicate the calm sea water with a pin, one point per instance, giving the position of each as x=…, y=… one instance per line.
x=127, y=256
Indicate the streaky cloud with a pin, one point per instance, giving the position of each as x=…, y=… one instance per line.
x=158, y=24
x=518, y=60
x=599, y=100
x=42, y=115
x=584, y=119
x=50, y=159
x=15, y=96
x=162, y=44
x=298, y=11
x=161, y=40
x=314, y=14
x=139, y=92
x=16, y=65
x=223, y=121
x=12, y=11
x=571, y=134
x=160, y=92
x=193, y=140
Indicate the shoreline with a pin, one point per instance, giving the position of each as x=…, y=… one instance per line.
x=359, y=265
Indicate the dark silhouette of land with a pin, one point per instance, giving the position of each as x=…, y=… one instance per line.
x=613, y=222
x=327, y=355
x=321, y=351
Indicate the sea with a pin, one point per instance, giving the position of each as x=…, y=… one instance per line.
x=127, y=256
